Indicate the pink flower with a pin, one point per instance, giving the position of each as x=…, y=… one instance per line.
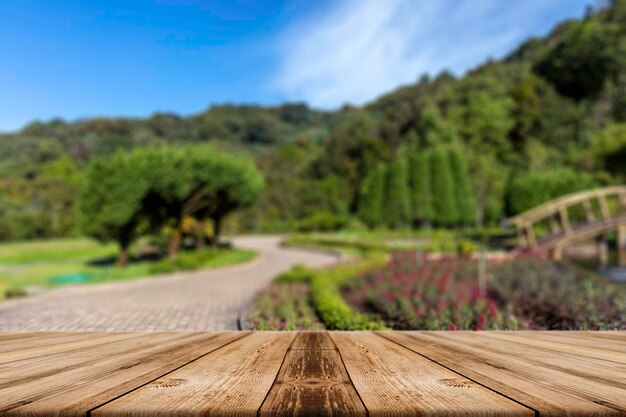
x=482, y=319
x=453, y=326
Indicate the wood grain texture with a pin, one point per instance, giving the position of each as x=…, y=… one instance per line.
x=394, y=382
x=91, y=378
x=313, y=382
x=231, y=381
x=551, y=382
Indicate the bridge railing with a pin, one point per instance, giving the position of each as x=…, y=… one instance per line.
x=557, y=212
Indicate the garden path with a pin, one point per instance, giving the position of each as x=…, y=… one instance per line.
x=185, y=301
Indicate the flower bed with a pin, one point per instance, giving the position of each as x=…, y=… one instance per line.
x=414, y=292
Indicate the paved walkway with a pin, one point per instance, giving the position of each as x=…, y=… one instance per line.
x=190, y=301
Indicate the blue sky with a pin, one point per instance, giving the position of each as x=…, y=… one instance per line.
x=75, y=59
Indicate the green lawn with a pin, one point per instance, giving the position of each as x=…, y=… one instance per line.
x=25, y=265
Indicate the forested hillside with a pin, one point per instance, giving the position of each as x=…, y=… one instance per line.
x=548, y=119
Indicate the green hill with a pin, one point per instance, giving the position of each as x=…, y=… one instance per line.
x=554, y=103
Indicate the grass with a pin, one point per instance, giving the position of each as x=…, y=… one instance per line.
x=24, y=265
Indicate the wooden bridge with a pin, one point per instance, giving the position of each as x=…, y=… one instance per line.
x=574, y=217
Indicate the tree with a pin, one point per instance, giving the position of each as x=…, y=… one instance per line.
x=371, y=194
x=198, y=182
x=419, y=182
x=463, y=192
x=444, y=204
x=397, y=205
x=110, y=202
x=163, y=187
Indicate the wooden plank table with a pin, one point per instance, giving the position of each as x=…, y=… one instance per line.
x=313, y=374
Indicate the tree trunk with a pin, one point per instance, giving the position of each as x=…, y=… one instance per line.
x=217, y=228
x=174, y=244
x=200, y=236
x=122, y=257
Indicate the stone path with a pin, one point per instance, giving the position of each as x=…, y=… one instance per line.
x=189, y=301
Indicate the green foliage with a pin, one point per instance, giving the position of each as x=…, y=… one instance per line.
x=329, y=304
x=297, y=273
x=465, y=199
x=444, y=202
x=15, y=292
x=609, y=147
x=582, y=61
x=161, y=186
x=371, y=197
x=322, y=222
x=420, y=187
x=284, y=306
x=208, y=258
x=110, y=203
x=554, y=101
x=530, y=190
x=397, y=207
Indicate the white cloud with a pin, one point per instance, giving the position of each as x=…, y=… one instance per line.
x=362, y=48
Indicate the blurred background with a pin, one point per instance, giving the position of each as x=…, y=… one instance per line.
x=413, y=137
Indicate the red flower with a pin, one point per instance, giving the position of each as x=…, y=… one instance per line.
x=477, y=328
x=482, y=319
x=453, y=326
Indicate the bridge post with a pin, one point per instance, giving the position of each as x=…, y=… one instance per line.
x=567, y=226
x=604, y=207
x=588, y=211
x=621, y=245
x=557, y=253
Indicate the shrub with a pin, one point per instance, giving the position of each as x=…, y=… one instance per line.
x=298, y=273
x=209, y=258
x=533, y=189
x=463, y=192
x=322, y=222
x=328, y=302
x=444, y=203
x=284, y=306
x=421, y=193
x=15, y=292
x=370, y=203
x=397, y=205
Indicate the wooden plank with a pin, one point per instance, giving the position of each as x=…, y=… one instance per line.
x=106, y=373
x=232, y=381
x=560, y=357
x=77, y=354
x=604, y=207
x=35, y=349
x=313, y=381
x=565, y=223
x=313, y=340
x=33, y=341
x=573, y=343
x=393, y=381
x=519, y=373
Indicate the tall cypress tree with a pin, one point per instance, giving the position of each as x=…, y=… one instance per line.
x=397, y=204
x=463, y=192
x=371, y=194
x=419, y=183
x=444, y=202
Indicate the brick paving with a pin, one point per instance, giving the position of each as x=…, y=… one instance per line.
x=189, y=301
